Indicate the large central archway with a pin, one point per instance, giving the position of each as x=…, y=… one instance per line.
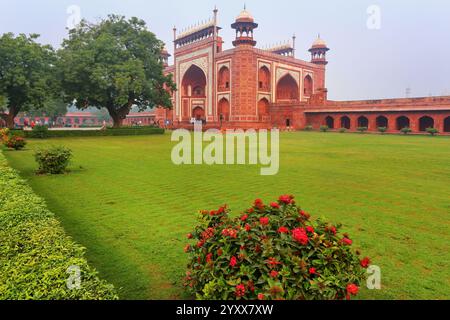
x=287, y=89
x=194, y=83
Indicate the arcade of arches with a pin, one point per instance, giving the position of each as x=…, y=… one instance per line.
x=393, y=123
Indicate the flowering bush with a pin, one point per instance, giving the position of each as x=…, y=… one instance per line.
x=4, y=134
x=271, y=252
x=14, y=142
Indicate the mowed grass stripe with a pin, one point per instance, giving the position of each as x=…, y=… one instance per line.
x=131, y=207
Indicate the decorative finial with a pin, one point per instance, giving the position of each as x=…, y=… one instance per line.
x=245, y=6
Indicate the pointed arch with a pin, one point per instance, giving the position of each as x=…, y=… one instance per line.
x=194, y=82
x=308, y=85
x=363, y=122
x=223, y=108
x=224, y=79
x=425, y=122
x=447, y=124
x=263, y=108
x=382, y=122
x=329, y=122
x=402, y=122
x=264, y=79
x=287, y=89
x=345, y=122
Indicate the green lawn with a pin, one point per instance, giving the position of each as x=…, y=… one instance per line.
x=131, y=207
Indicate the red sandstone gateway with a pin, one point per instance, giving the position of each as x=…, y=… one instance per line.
x=247, y=87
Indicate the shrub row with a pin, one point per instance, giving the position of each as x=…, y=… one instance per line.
x=35, y=252
x=134, y=131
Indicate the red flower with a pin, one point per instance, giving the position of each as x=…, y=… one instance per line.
x=264, y=221
x=347, y=241
x=200, y=244
x=190, y=236
x=260, y=296
x=310, y=229
x=212, y=213
x=275, y=205
x=312, y=271
x=251, y=210
x=219, y=252
x=365, y=262
x=287, y=199
x=274, y=274
x=233, y=261
x=300, y=236
x=352, y=289
x=244, y=217
x=258, y=203
x=187, y=248
x=283, y=230
x=222, y=209
x=209, y=258
x=247, y=227
x=273, y=262
x=333, y=230
x=240, y=290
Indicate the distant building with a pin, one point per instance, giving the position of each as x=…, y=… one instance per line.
x=247, y=87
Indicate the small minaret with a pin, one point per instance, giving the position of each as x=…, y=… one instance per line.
x=294, y=37
x=165, y=57
x=319, y=51
x=244, y=26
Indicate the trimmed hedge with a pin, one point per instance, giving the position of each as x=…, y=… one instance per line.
x=35, y=252
x=138, y=131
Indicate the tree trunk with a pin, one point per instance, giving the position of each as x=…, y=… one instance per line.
x=9, y=118
x=118, y=115
x=117, y=121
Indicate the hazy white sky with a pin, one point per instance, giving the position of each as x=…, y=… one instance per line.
x=411, y=49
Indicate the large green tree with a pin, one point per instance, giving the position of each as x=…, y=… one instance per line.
x=53, y=108
x=26, y=74
x=114, y=64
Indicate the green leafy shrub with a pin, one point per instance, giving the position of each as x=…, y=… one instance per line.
x=271, y=252
x=405, y=130
x=39, y=132
x=362, y=129
x=342, y=130
x=432, y=131
x=324, y=128
x=35, y=252
x=53, y=160
x=309, y=128
x=125, y=131
x=382, y=129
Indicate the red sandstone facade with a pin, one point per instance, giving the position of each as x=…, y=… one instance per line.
x=247, y=87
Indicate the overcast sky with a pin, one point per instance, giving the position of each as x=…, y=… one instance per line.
x=409, y=46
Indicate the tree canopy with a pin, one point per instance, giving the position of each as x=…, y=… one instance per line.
x=26, y=74
x=114, y=64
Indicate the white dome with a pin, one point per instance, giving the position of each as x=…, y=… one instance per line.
x=244, y=15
